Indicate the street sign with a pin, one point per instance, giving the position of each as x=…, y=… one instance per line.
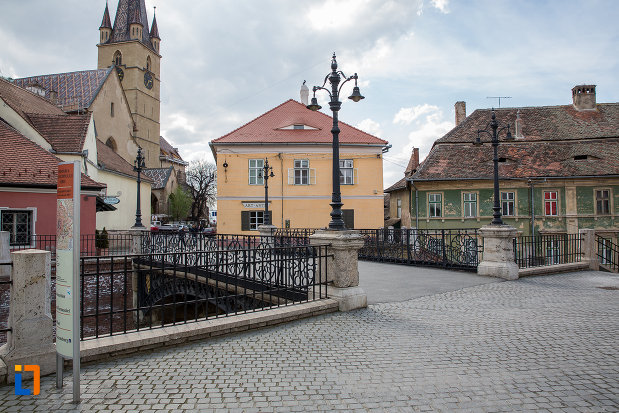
x=111, y=200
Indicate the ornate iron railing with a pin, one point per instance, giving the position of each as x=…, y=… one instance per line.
x=448, y=248
x=607, y=253
x=295, y=232
x=135, y=292
x=118, y=244
x=544, y=250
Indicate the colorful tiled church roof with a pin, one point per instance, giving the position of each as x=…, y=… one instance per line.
x=127, y=12
x=25, y=164
x=159, y=176
x=277, y=126
x=106, y=23
x=154, y=30
x=76, y=90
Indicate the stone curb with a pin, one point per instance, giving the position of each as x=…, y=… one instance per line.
x=553, y=269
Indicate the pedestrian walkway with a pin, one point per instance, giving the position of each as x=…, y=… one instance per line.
x=534, y=344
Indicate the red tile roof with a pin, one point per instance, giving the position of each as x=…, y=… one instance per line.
x=76, y=90
x=557, y=141
x=22, y=101
x=110, y=160
x=25, y=164
x=66, y=133
x=167, y=150
x=268, y=128
x=401, y=184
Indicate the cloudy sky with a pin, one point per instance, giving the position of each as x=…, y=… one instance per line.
x=226, y=62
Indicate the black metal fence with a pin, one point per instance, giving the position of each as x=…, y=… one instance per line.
x=295, y=232
x=5, y=297
x=607, y=253
x=544, y=250
x=136, y=292
x=447, y=248
x=117, y=244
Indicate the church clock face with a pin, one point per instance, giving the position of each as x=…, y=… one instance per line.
x=148, y=80
x=120, y=73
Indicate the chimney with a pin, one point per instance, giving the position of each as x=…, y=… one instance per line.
x=304, y=94
x=518, y=126
x=413, y=163
x=53, y=97
x=583, y=97
x=460, y=112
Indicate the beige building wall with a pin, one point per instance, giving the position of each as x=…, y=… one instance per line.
x=304, y=206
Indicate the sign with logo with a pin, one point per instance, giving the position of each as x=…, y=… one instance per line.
x=253, y=205
x=68, y=200
x=36, y=371
x=111, y=200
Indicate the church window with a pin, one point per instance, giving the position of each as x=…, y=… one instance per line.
x=111, y=143
x=118, y=58
x=112, y=109
x=148, y=63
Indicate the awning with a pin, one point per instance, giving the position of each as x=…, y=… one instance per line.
x=392, y=221
x=102, y=206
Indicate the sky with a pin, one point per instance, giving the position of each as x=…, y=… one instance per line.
x=227, y=62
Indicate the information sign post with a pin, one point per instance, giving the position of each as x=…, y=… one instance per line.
x=67, y=272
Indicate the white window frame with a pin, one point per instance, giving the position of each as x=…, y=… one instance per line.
x=255, y=172
x=399, y=208
x=469, y=204
x=432, y=202
x=506, y=201
x=348, y=173
x=550, y=201
x=256, y=218
x=301, y=174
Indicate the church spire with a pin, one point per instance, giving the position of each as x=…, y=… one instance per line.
x=154, y=30
x=131, y=14
x=106, y=23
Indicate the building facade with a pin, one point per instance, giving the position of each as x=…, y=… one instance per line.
x=296, y=142
x=559, y=173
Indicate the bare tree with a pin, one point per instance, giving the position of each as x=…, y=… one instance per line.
x=202, y=184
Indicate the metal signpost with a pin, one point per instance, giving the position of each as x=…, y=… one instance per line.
x=67, y=272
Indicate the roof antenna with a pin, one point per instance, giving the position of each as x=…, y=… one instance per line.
x=499, y=98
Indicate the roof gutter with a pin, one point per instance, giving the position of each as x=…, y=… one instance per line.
x=515, y=179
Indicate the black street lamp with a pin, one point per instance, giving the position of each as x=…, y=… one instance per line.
x=496, y=129
x=139, y=164
x=334, y=78
x=266, y=175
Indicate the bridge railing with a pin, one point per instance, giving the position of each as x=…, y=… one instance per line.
x=546, y=250
x=448, y=248
x=607, y=253
x=137, y=292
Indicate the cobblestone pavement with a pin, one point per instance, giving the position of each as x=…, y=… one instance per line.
x=536, y=344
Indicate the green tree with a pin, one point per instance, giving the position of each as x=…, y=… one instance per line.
x=180, y=204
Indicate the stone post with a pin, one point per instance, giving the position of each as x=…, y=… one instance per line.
x=498, y=260
x=137, y=237
x=266, y=234
x=342, y=269
x=31, y=339
x=588, y=248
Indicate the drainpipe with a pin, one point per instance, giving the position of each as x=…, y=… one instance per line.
x=532, y=208
x=416, y=203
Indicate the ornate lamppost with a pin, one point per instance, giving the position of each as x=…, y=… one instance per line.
x=138, y=166
x=266, y=175
x=496, y=129
x=334, y=78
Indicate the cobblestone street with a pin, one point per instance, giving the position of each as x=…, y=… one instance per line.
x=536, y=344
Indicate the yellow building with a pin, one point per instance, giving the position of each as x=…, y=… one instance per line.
x=297, y=144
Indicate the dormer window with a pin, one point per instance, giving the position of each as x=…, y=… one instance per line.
x=298, y=126
x=580, y=157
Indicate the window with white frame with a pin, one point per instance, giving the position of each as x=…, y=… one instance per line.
x=256, y=218
x=399, y=211
x=255, y=171
x=19, y=226
x=347, y=172
x=470, y=204
x=435, y=205
x=602, y=201
x=508, y=202
x=301, y=172
x=550, y=203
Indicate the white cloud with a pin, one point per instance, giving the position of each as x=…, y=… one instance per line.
x=442, y=5
x=370, y=126
x=407, y=115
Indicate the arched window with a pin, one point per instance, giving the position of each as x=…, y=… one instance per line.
x=112, y=109
x=118, y=58
x=148, y=63
x=111, y=143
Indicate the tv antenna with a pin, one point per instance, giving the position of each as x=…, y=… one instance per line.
x=499, y=98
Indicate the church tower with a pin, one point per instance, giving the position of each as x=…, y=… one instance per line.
x=134, y=50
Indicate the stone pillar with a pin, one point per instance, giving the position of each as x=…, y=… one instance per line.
x=31, y=339
x=137, y=236
x=342, y=269
x=498, y=260
x=266, y=234
x=588, y=248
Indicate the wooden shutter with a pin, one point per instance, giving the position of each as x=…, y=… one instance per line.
x=355, y=177
x=290, y=176
x=349, y=218
x=312, y=176
x=244, y=220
